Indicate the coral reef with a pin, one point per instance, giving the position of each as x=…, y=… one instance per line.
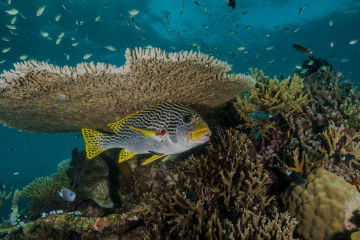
x=45, y=188
x=324, y=206
x=4, y=198
x=214, y=195
x=39, y=97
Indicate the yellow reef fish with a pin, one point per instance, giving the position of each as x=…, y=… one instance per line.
x=162, y=130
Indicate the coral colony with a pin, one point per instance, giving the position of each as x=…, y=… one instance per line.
x=240, y=185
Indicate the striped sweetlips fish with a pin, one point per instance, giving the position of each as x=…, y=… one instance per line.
x=161, y=130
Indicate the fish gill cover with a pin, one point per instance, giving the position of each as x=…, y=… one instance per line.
x=68, y=65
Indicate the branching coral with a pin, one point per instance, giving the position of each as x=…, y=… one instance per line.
x=45, y=188
x=212, y=193
x=41, y=97
x=4, y=198
x=339, y=144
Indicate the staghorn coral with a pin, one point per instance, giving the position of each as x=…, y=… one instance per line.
x=337, y=144
x=4, y=198
x=45, y=188
x=39, y=97
x=14, y=208
x=323, y=206
x=211, y=194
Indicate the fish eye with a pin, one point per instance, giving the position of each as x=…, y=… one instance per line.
x=187, y=118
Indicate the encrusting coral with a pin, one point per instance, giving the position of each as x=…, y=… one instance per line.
x=40, y=97
x=323, y=206
x=222, y=195
x=4, y=198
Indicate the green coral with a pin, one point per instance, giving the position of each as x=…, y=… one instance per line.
x=45, y=188
x=4, y=198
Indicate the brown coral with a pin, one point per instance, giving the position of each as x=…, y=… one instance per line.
x=39, y=97
x=4, y=198
x=323, y=206
x=218, y=196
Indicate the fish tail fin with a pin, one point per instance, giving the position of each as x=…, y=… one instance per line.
x=93, y=142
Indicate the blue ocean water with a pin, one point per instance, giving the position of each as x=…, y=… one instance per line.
x=265, y=29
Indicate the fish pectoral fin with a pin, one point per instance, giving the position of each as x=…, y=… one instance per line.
x=124, y=155
x=116, y=125
x=158, y=136
x=153, y=158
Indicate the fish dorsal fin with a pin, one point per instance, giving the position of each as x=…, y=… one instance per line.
x=115, y=126
x=124, y=155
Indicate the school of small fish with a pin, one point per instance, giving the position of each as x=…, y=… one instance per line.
x=130, y=18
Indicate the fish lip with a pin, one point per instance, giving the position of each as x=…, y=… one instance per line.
x=204, y=133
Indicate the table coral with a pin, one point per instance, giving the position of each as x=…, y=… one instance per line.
x=323, y=206
x=39, y=97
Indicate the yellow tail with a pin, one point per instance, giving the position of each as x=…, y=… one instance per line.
x=92, y=139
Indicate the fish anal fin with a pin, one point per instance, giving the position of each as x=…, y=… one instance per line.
x=115, y=126
x=124, y=155
x=152, y=158
x=92, y=140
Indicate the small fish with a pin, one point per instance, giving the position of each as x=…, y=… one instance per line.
x=67, y=194
x=331, y=23
x=271, y=61
x=148, y=46
x=295, y=177
x=296, y=30
x=5, y=39
x=98, y=18
x=240, y=48
x=61, y=34
x=353, y=41
x=323, y=68
x=23, y=57
x=16, y=173
x=133, y=12
x=58, y=40
x=331, y=44
x=57, y=17
x=13, y=20
x=267, y=35
x=74, y=44
x=165, y=129
x=5, y=50
x=44, y=34
x=2, y=61
x=301, y=49
x=196, y=3
x=191, y=196
x=12, y=27
x=298, y=66
x=304, y=70
x=344, y=60
x=301, y=10
x=110, y=48
x=40, y=11
x=87, y=56
x=269, y=48
x=12, y=11
x=311, y=62
x=231, y=3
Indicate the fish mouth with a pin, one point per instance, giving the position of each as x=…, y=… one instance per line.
x=202, y=135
